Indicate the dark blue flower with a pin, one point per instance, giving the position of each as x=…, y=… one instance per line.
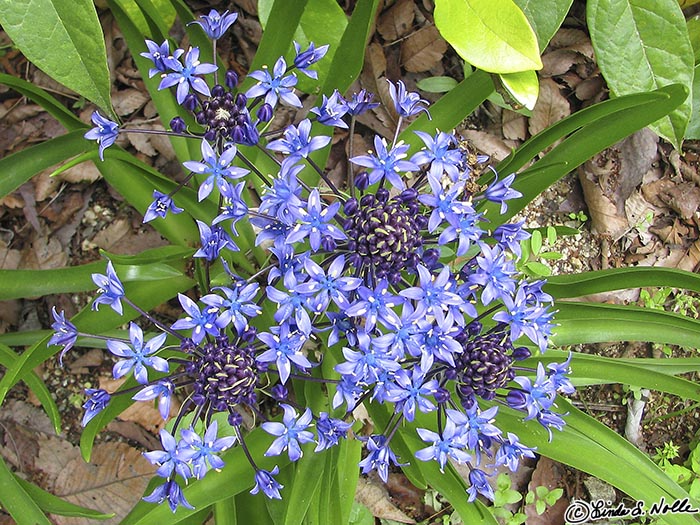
x=386, y=163
x=215, y=24
x=332, y=110
x=238, y=306
x=304, y=59
x=376, y=305
x=160, y=207
x=105, y=132
x=185, y=76
x=379, y=457
x=411, y=390
x=479, y=485
x=275, y=86
x=201, y=452
x=213, y=240
x=360, y=102
x=327, y=286
x=168, y=459
x=163, y=390
x=157, y=53
x=510, y=235
x=65, y=333
x=138, y=356
x=284, y=348
x=512, y=451
x=282, y=199
x=297, y=142
x=494, y=272
x=406, y=103
x=171, y=492
x=109, y=288
x=446, y=445
x=202, y=322
x=291, y=433
x=500, y=191
x=97, y=400
x=438, y=152
x=218, y=169
x=265, y=481
x=330, y=431
x=433, y=295
x=316, y=222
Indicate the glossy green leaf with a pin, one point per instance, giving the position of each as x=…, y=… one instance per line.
x=64, y=39
x=641, y=45
x=55, y=505
x=523, y=87
x=36, y=385
x=595, y=323
x=305, y=486
x=45, y=100
x=585, y=283
x=693, y=25
x=545, y=16
x=693, y=130
x=592, y=130
x=492, y=35
x=16, y=501
x=225, y=512
x=436, y=84
x=19, y=167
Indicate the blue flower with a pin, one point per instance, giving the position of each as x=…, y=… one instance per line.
x=410, y=391
x=500, y=191
x=233, y=207
x=201, y=322
x=264, y=481
x=332, y=110
x=291, y=304
x=315, y=222
x=201, y=452
x=368, y=363
x=387, y=164
x=479, y=485
x=160, y=207
x=65, y=333
x=510, y=235
x=433, y=296
x=439, y=154
x=171, y=492
x=218, y=169
x=215, y=24
x=375, y=305
x=328, y=285
x=105, y=132
x=157, y=53
x=297, y=142
x=291, y=433
x=185, y=76
x=448, y=444
x=109, y=288
x=238, y=306
x=495, y=273
x=360, y=102
x=97, y=400
x=446, y=204
x=163, y=390
x=284, y=348
x=304, y=59
x=138, y=355
x=379, y=457
x=465, y=228
x=213, y=240
x=512, y=451
x=558, y=373
x=282, y=198
x=168, y=459
x=406, y=104
x=275, y=86
x=330, y=431
x=533, y=397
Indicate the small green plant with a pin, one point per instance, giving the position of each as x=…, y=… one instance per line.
x=533, y=258
x=505, y=495
x=578, y=216
x=687, y=475
x=543, y=498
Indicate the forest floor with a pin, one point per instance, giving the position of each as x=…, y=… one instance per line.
x=634, y=204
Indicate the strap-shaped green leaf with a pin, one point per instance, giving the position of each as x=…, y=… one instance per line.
x=15, y=500
x=64, y=39
x=585, y=283
x=580, y=323
x=55, y=505
x=18, y=168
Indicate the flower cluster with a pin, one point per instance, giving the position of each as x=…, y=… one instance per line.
x=396, y=276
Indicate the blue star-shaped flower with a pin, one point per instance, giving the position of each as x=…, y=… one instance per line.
x=201, y=452
x=291, y=433
x=138, y=356
x=109, y=288
x=105, y=132
x=276, y=86
x=185, y=76
x=215, y=24
x=218, y=169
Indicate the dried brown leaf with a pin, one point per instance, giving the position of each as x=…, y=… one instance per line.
x=636, y=155
x=606, y=218
x=120, y=237
x=83, y=172
x=44, y=253
x=551, y=107
x=489, y=144
x=373, y=495
x=683, y=198
x=423, y=49
x=127, y=101
x=559, y=62
x=514, y=125
x=568, y=38
x=396, y=21
x=548, y=474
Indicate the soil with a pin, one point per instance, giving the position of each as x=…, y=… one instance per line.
x=66, y=220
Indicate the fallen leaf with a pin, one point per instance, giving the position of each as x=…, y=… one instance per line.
x=423, y=50
x=548, y=474
x=127, y=101
x=551, y=107
x=606, y=218
x=683, y=198
x=373, y=495
x=396, y=21
x=636, y=155
x=514, y=125
x=559, y=62
x=120, y=237
x=83, y=172
x=44, y=253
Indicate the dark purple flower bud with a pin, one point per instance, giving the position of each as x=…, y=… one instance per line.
x=210, y=135
x=248, y=335
x=238, y=135
x=474, y=328
x=191, y=102
x=431, y=257
x=235, y=419
x=421, y=222
x=241, y=100
x=350, y=207
x=264, y=113
x=187, y=345
x=408, y=195
x=382, y=195
x=520, y=353
x=231, y=79
x=279, y=392
x=218, y=91
x=442, y=396
x=517, y=399
x=367, y=200
x=328, y=243
x=178, y=125
x=362, y=181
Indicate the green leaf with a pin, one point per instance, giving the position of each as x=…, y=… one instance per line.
x=693, y=25
x=523, y=87
x=64, y=39
x=595, y=323
x=45, y=100
x=306, y=482
x=55, y=505
x=641, y=45
x=492, y=35
x=545, y=17
x=693, y=131
x=36, y=385
x=19, y=167
x=15, y=500
x=436, y=84
x=576, y=285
